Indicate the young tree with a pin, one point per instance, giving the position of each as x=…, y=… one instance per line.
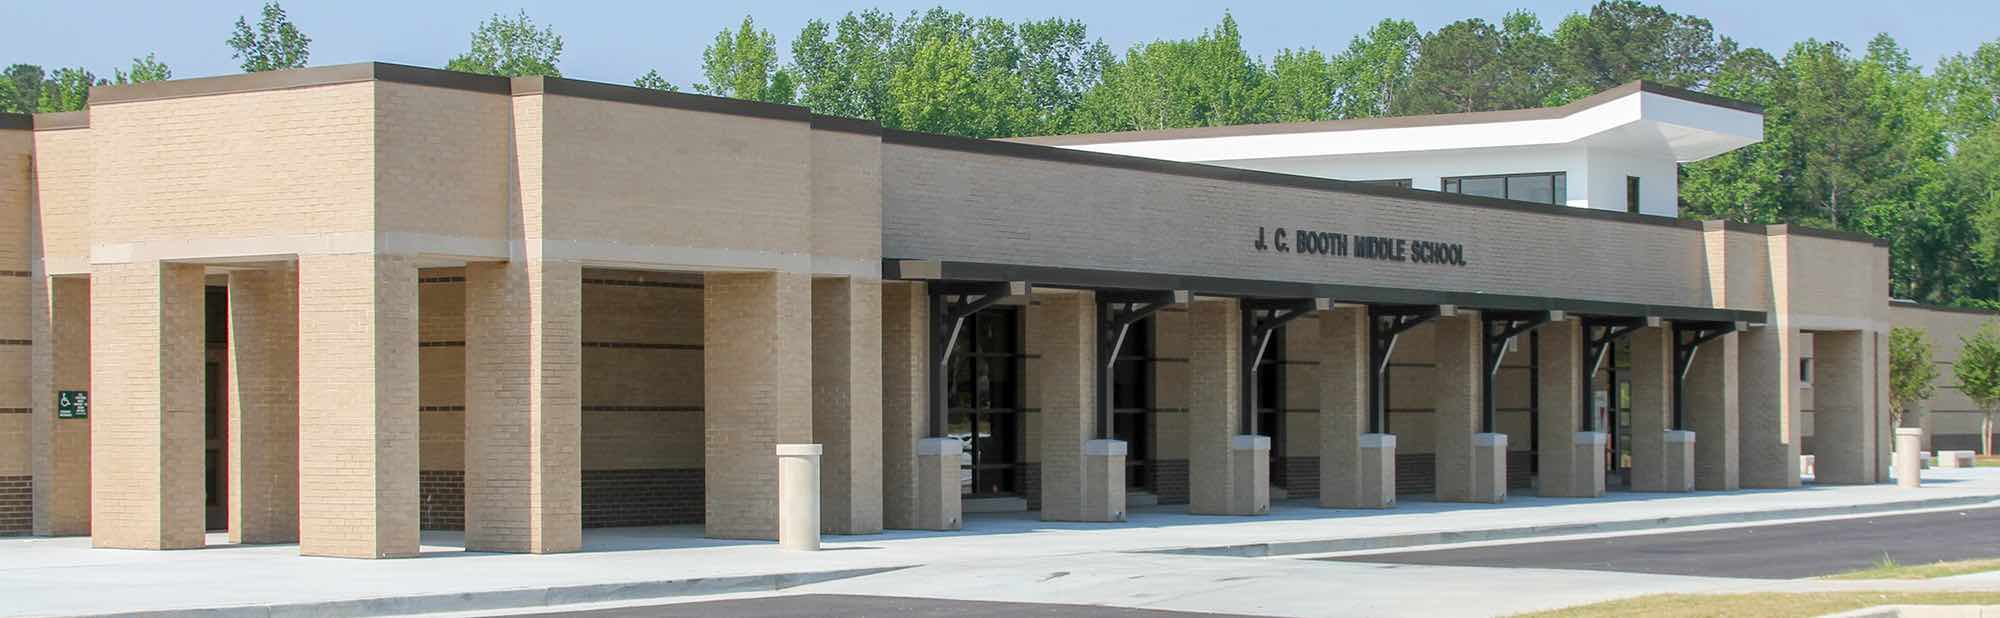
x=147, y=69
x=1912, y=375
x=1978, y=370
x=67, y=90
x=653, y=80
x=1375, y=69
x=744, y=64
x=511, y=47
x=1302, y=86
x=276, y=43
x=22, y=86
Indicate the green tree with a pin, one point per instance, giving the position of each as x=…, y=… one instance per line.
x=511, y=47
x=147, y=69
x=1744, y=184
x=1978, y=372
x=844, y=69
x=1622, y=40
x=21, y=88
x=1370, y=76
x=1059, y=64
x=1458, y=70
x=1205, y=81
x=66, y=90
x=1912, y=374
x=744, y=64
x=653, y=81
x=1301, y=86
x=275, y=43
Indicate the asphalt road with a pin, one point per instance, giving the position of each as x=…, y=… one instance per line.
x=813, y=605
x=1758, y=552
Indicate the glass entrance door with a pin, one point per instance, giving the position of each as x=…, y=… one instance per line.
x=985, y=403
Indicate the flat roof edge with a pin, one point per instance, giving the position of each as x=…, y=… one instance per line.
x=1911, y=304
x=1053, y=276
x=1216, y=172
x=16, y=122
x=1396, y=122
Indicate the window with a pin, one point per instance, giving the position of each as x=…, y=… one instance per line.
x=1805, y=371
x=1271, y=401
x=1632, y=194
x=985, y=409
x=1400, y=183
x=1132, y=403
x=1540, y=188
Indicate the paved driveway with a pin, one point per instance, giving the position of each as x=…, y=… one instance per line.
x=1759, y=552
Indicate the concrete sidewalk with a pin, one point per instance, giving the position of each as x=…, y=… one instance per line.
x=65, y=577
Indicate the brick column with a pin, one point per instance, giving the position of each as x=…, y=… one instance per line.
x=1843, y=414
x=1357, y=469
x=1571, y=459
x=1653, y=467
x=847, y=402
x=357, y=406
x=1768, y=407
x=757, y=388
x=147, y=405
x=1064, y=328
x=60, y=448
x=523, y=406
x=264, y=406
x=905, y=369
x=1712, y=394
x=1465, y=470
x=1214, y=401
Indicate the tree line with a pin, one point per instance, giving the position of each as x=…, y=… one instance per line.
x=1861, y=140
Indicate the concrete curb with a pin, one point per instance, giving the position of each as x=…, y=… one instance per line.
x=516, y=597
x=1323, y=546
x=1922, y=611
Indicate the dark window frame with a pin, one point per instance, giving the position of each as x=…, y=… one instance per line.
x=1006, y=422
x=1138, y=352
x=1558, y=185
x=1632, y=194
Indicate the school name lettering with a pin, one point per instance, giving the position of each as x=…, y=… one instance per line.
x=1339, y=244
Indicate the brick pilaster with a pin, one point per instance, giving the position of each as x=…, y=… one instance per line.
x=147, y=406
x=1713, y=412
x=1458, y=403
x=757, y=383
x=60, y=448
x=847, y=402
x=524, y=415
x=264, y=406
x=905, y=362
x=1214, y=398
x=357, y=406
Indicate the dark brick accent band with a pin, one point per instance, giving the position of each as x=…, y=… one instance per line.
x=633, y=345
x=1031, y=484
x=15, y=273
x=1958, y=441
x=423, y=280
x=1301, y=476
x=642, y=408
x=441, y=408
x=646, y=497
x=1170, y=480
x=440, y=344
x=17, y=511
x=1416, y=473
x=17, y=410
x=17, y=342
x=641, y=284
x=442, y=496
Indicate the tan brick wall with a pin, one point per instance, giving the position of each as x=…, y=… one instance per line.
x=146, y=434
x=278, y=163
x=439, y=150
x=1562, y=407
x=358, y=426
x=1844, y=427
x=63, y=187
x=16, y=355
x=61, y=447
x=1652, y=401
x=758, y=388
x=846, y=198
x=642, y=176
x=1713, y=412
x=263, y=406
x=1342, y=352
x=1948, y=412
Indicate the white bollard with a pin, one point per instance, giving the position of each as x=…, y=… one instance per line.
x=1909, y=464
x=798, y=496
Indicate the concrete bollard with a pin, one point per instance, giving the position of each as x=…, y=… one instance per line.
x=1909, y=464
x=1489, y=467
x=1679, y=461
x=938, y=479
x=798, y=496
x=1251, y=463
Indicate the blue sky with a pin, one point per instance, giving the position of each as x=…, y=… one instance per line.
x=617, y=41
